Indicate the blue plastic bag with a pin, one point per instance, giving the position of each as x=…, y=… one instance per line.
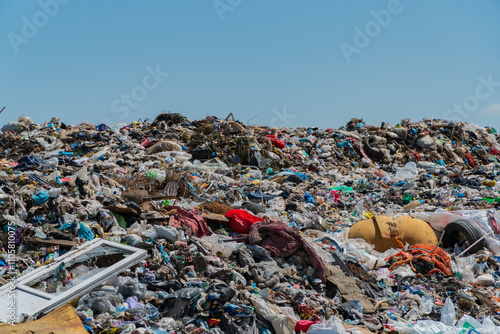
x=41, y=197
x=85, y=232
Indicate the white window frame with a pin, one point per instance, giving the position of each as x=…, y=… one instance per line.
x=41, y=303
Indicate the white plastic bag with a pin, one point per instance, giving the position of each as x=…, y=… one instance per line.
x=432, y=327
x=408, y=172
x=167, y=232
x=223, y=249
x=467, y=323
x=150, y=233
x=427, y=304
x=332, y=326
x=448, y=313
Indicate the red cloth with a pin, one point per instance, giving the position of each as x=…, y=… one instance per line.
x=494, y=151
x=471, y=161
x=336, y=195
x=303, y=325
x=276, y=141
x=190, y=222
x=241, y=220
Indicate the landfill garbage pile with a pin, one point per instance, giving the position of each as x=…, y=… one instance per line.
x=214, y=226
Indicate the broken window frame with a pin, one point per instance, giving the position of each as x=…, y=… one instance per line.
x=91, y=249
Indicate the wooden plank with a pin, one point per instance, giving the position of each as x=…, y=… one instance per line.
x=52, y=242
x=61, y=321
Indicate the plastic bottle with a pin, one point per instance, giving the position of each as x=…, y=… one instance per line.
x=110, y=191
x=271, y=214
x=156, y=174
x=214, y=296
x=359, y=208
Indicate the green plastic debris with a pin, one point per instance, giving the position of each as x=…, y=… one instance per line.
x=342, y=188
x=491, y=200
x=121, y=221
x=407, y=198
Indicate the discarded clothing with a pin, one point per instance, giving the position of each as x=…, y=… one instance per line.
x=193, y=224
x=241, y=220
x=283, y=241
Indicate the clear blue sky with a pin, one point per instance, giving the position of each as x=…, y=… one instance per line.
x=271, y=62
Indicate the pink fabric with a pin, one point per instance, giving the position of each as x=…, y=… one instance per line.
x=191, y=223
x=148, y=142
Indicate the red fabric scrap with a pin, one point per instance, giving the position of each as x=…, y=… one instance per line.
x=303, y=325
x=494, y=151
x=336, y=195
x=417, y=156
x=471, y=161
x=241, y=220
x=276, y=141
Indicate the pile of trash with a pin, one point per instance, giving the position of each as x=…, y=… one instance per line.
x=215, y=226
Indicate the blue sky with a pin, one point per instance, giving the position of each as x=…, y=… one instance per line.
x=277, y=62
